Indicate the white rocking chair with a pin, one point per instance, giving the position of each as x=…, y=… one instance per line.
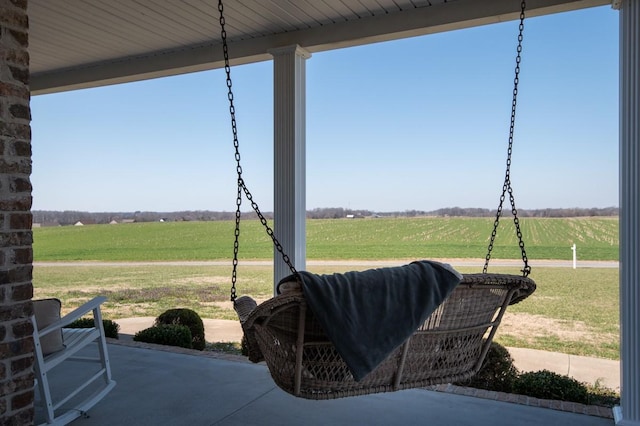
x=55, y=344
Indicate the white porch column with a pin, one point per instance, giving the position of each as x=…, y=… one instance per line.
x=289, y=85
x=629, y=411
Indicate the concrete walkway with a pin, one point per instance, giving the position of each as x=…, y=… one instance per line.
x=583, y=369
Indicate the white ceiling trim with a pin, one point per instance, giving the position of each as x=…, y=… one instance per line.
x=404, y=23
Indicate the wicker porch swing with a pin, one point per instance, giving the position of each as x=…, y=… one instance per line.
x=436, y=328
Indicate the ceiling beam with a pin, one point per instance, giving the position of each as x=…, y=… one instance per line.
x=449, y=16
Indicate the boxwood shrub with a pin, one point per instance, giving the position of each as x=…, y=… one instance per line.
x=498, y=373
x=111, y=328
x=546, y=384
x=188, y=318
x=166, y=334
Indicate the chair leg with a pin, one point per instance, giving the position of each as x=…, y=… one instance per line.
x=41, y=376
x=102, y=345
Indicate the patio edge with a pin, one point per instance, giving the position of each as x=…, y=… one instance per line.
x=568, y=406
x=572, y=407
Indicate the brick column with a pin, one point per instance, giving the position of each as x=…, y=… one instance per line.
x=16, y=290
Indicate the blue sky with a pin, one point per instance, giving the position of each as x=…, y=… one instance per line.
x=416, y=124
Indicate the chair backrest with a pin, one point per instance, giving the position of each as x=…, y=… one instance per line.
x=55, y=345
x=47, y=312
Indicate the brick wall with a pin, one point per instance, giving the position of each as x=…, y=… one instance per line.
x=16, y=290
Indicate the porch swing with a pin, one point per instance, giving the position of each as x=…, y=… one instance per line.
x=379, y=330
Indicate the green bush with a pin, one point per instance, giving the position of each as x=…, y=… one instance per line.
x=225, y=347
x=188, y=318
x=546, y=384
x=497, y=372
x=602, y=395
x=111, y=328
x=166, y=334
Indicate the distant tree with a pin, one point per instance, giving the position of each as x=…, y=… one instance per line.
x=70, y=217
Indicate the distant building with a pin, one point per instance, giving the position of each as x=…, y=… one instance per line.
x=78, y=223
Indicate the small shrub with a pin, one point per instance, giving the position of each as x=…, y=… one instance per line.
x=166, y=334
x=497, y=372
x=226, y=347
x=602, y=395
x=546, y=384
x=188, y=318
x=111, y=328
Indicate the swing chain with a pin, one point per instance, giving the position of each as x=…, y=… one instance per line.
x=241, y=185
x=507, y=179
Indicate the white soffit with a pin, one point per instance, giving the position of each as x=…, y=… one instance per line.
x=86, y=43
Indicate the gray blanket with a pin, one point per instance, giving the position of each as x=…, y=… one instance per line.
x=368, y=314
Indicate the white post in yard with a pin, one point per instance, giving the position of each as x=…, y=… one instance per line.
x=289, y=131
x=573, y=248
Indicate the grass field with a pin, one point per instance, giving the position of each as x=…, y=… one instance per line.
x=382, y=238
x=572, y=311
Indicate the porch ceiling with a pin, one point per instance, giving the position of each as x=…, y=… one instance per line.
x=86, y=43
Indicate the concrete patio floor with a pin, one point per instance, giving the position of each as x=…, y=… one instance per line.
x=161, y=387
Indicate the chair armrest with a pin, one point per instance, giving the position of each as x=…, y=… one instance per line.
x=74, y=315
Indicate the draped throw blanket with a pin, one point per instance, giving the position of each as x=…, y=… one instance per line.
x=368, y=314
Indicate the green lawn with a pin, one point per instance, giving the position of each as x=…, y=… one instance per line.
x=572, y=311
x=337, y=239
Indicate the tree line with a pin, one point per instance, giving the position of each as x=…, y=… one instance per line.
x=70, y=217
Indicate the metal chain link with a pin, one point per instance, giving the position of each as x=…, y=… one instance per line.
x=241, y=185
x=243, y=188
x=506, y=187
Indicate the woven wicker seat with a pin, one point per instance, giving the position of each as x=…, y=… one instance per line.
x=450, y=346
